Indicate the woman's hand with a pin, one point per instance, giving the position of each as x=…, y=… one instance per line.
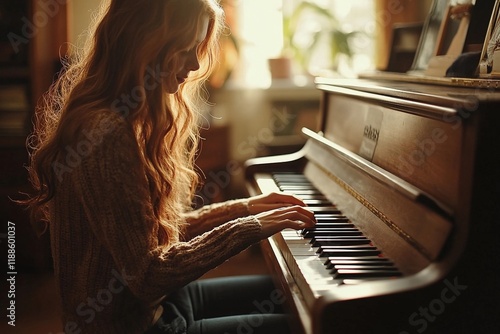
x=276, y=212
x=266, y=202
x=295, y=217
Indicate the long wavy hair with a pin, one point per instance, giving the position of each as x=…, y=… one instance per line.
x=132, y=39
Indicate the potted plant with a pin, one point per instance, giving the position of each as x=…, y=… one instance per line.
x=329, y=32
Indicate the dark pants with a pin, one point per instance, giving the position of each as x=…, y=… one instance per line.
x=229, y=305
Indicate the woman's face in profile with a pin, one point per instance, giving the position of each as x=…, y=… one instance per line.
x=186, y=60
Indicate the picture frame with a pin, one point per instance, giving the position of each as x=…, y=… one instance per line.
x=487, y=67
x=447, y=32
x=429, y=38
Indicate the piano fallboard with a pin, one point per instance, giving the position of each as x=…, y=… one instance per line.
x=428, y=224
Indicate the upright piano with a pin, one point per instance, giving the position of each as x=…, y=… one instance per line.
x=405, y=184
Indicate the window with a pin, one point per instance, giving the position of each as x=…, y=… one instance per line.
x=260, y=34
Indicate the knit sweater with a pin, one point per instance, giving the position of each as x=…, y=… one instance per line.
x=110, y=267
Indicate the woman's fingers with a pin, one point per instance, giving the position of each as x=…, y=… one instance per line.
x=290, y=213
x=296, y=217
x=258, y=208
x=271, y=201
x=277, y=211
x=294, y=212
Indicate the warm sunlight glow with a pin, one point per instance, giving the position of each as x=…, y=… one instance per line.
x=260, y=32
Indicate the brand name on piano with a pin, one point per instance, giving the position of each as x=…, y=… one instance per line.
x=371, y=133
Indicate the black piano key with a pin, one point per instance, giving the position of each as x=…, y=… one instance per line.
x=339, y=242
x=377, y=262
x=340, y=238
x=331, y=232
x=299, y=185
x=328, y=217
x=333, y=247
x=289, y=176
x=330, y=248
x=316, y=197
x=302, y=192
x=291, y=181
x=332, y=224
x=337, y=259
x=324, y=209
x=354, y=239
x=292, y=187
x=362, y=273
x=322, y=226
x=316, y=202
x=363, y=267
x=325, y=252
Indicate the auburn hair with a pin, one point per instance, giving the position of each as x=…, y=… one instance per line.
x=130, y=41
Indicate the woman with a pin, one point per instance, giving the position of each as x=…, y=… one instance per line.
x=112, y=166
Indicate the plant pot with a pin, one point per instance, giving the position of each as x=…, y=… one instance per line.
x=281, y=68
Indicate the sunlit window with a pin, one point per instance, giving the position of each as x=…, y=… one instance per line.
x=260, y=35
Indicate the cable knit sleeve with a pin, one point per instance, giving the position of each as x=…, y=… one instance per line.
x=113, y=190
x=210, y=216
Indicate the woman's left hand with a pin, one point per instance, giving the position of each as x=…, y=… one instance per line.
x=271, y=201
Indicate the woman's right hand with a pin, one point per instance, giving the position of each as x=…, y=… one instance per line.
x=296, y=217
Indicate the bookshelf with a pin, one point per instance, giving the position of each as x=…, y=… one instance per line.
x=33, y=35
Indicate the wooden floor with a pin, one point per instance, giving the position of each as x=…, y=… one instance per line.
x=38, y=309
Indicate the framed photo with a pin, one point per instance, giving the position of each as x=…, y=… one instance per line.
x=429, y=38
x=487, y=66
x=449, y=31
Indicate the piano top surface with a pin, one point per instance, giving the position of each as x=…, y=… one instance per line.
x=435, y=94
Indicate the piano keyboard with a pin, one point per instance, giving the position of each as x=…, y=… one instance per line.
x=335, y=251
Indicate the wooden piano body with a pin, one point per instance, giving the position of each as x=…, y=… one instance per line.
x=414, y=167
